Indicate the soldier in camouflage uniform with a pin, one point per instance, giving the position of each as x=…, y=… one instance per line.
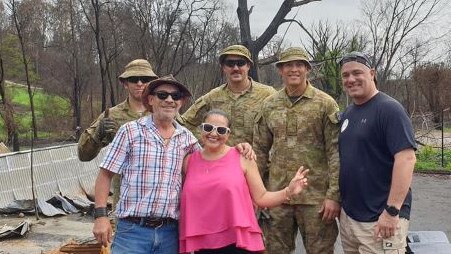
x=298, y=126
x=137, y=75
x=241, y=97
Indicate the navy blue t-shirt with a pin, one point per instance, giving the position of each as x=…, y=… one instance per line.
x=371, y=134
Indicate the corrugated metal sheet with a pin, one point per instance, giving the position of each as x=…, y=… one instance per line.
x=57, y=173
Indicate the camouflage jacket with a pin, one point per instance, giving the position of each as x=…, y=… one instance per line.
x=88, y=148
x=241, y=109
x=304, y=133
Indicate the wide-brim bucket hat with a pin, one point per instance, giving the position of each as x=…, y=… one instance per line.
x=138, y=68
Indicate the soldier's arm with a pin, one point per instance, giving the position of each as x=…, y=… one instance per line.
x=192, y=118
x=262, y=142
x=88, y=147
x=331, y=131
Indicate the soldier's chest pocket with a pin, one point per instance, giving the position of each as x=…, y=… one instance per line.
x=295, y=129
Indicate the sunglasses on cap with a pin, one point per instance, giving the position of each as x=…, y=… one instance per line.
x=136, y=79
x=355, y=57
x=208, y=128
x=232, y=63
x=163, y=95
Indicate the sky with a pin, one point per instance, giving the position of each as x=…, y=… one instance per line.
x=331, y=10
x=347, y=11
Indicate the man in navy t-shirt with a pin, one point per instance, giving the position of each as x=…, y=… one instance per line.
x=377, y=157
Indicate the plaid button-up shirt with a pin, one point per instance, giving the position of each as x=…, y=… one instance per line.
x=151, y=178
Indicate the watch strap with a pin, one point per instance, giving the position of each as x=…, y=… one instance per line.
x=100, y=212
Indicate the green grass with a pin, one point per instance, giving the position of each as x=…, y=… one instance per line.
x=46, y=106
x=429, y=159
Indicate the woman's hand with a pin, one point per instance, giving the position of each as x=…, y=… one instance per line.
x=298, y=183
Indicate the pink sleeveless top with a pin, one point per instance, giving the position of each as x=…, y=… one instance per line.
x=216, y=208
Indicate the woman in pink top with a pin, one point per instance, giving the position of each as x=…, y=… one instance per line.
x=216, y=211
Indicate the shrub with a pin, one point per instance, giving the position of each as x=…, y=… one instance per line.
x=429, y=158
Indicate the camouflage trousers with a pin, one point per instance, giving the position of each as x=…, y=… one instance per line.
x=280, y=233
x=116, y=184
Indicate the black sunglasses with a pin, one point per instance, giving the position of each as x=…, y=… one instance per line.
x=163, y=95
x=136, y=79
x=206, y=127
x=232, y=63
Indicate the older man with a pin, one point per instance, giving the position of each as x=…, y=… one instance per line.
x=241, y=97
x=148, y=155
x=377, y=157
x=298, y=126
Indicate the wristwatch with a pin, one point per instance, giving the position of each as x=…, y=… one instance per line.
x=393, y=211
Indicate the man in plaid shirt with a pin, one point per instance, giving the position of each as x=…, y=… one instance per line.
x=148, y=154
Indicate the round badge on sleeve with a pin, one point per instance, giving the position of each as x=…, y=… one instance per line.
x=344, y=125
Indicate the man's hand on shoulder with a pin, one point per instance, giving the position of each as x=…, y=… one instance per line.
x=246, y=150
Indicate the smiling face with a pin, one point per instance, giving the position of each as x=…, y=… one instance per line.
x=294, y=73
x=235, y=73
x=164, y=109
x=212, y=140
x=358, y=81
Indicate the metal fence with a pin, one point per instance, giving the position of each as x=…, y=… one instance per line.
x=58, y=174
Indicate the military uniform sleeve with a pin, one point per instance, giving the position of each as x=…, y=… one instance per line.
x=331, y=131
x=192, y=118
x=88, y=147
x=261, y=143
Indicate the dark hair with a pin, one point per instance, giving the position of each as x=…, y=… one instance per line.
x=216, y=111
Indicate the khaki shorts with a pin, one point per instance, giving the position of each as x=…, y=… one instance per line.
x=357, y=237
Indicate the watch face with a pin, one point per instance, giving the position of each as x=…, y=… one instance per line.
x=393, y=211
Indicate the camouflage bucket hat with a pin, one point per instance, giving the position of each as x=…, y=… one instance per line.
x=293, y=54
x=238, y=50
x=138, y=68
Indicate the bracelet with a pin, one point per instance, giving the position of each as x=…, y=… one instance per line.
x=287, y=197
x=100, y=212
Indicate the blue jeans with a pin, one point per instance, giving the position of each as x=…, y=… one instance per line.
x=132, y=238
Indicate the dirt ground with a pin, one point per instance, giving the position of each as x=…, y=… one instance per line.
x=431, y=211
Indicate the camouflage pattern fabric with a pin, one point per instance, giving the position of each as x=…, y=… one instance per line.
x=88, y=148
x=317, y=236
x=241, y=109
x=289, y=135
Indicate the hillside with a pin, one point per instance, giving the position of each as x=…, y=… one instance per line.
x=51, y=113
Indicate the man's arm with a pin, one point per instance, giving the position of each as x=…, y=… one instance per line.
x=102, y=228
x=88, y=148
x=98, y=135
x=331, y=206
x=262, y=142
x=401, y=181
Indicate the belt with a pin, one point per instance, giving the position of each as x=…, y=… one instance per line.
x=150, y=222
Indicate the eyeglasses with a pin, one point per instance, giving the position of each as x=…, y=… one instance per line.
x=355, y=57
x=136, y=79
x=232, y=63
x=163, y=95
x=206, y=127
